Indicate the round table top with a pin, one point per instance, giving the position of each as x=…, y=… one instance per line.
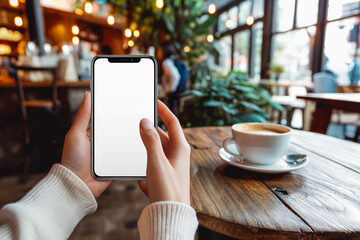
x=319, y=201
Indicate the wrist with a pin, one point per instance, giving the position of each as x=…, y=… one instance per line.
x=78, y=173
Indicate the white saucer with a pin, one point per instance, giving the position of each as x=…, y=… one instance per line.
x=234, y=158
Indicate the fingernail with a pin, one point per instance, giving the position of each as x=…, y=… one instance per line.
x=86, y=93
x=146, y=124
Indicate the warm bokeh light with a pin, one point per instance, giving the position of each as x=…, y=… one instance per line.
x=78, y=11
x=159, y=3
x=210, y=38
x=111, y=20
x=75, y=30
x=18, y=21
x=228, y=23
x=212, y=8
x=14, y=3
x=136, y=33
x=128, y=33
x=250, y=20
x=22, y=1
x=5, y=49
x=75, y=40
x=88, y=7
x=186, y=49
x=131, y=43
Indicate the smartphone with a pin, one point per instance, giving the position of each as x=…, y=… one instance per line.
x=124, y=90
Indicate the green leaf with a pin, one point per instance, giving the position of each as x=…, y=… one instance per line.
x=213, y=103
x=275, y=105
x=244, y=88
x=195, y=93
x=225, y=95
x=252, y=117
x=252, y=96
x=229, y=110
x=218, y=122
x=251, y=106
x=168, y=23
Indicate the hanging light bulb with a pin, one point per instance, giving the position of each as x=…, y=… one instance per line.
x=136, y=33
x=128, y=33
x=210, y=38
x=78, y=11
x=75, y=30
x=111, y=20
x=212, y=8
x=18, y=21
x=14, y=3
x=186, y=49
x=75, y=40
x=250, y=20
x=159, y=4
x=228, y=23
x=88, y=7
x=130, y=43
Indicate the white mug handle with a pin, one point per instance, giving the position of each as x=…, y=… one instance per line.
x=225, y=144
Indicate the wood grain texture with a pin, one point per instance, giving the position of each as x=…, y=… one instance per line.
x=320, y=201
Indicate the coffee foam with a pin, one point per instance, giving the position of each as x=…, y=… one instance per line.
x=260, y=128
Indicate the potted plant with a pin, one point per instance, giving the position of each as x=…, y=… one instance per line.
x=225, y=100
x=276, y=69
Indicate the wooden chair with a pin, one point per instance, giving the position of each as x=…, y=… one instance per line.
x=50, y=104
x=345, y=118
x=291, y=104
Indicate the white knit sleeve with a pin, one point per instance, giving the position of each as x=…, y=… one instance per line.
x=167, y=221
x=50, y=210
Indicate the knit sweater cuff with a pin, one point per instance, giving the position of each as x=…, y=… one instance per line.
x=56, y=204
x=167, y=220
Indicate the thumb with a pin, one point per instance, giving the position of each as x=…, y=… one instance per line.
x=83, y=116
x=151, y=139
x=143, y=186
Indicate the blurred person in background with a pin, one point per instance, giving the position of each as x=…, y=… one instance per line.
x=173, y=75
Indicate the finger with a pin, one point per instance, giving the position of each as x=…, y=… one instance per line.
x=151, y=140
x=143, y=186
x=83, y=116
x=174, y=128
x=164, y=138
x=88, y=132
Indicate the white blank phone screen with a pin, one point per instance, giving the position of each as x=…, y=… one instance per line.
x=123, y=94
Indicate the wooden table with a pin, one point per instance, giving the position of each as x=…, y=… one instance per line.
x=319, y=201
x=286, y=84
x=326, y=102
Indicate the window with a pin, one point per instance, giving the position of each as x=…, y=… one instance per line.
x=244, y=11
x=222, y=22
x=256, y=50
x=293, y=39
x=225, y=54
x=307, y=12
x=233, y=17
x=293, y=50
x=341, y=53
x=258, y=9
x=284, y=12
x=241, y=51
x=338, y=9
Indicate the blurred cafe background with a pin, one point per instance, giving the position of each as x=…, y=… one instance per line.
x=246, y=60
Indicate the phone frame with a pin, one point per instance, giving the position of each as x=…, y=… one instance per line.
x=92, y=120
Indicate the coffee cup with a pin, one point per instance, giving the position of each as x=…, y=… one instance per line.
x=259, y=143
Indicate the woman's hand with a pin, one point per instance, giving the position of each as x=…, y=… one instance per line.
x=168, y=160
x=76, y=153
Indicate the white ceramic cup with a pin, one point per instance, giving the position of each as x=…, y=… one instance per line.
x=260, y=143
